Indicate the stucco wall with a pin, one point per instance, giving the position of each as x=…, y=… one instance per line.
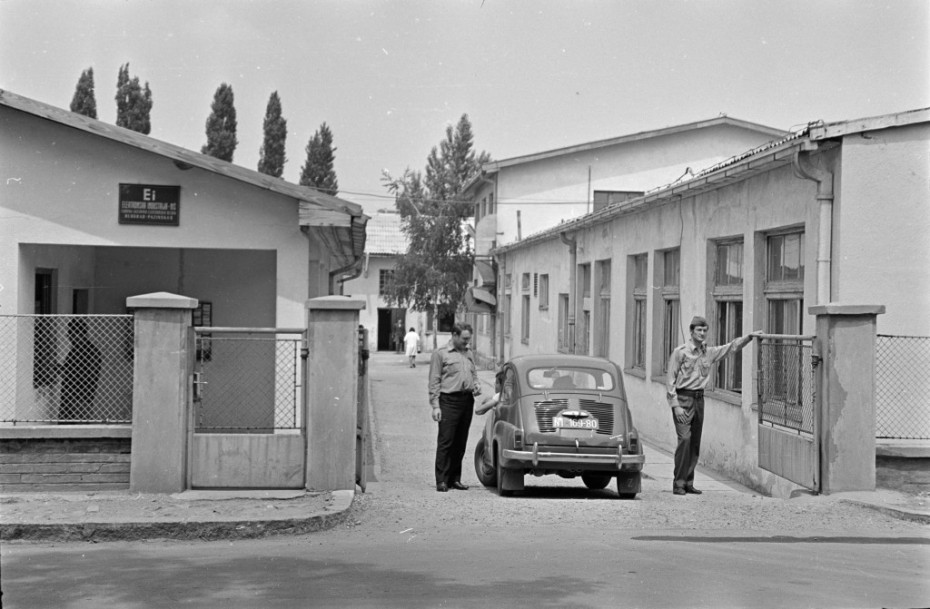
x=882, y=223
x=62, y=188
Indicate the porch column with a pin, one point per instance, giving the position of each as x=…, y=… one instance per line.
x=161, y=382
x=846, y=336
x=332, y=324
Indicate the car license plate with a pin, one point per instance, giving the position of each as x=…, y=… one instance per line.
x=571, y=423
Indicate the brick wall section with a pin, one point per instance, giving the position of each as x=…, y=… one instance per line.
x=64, y=464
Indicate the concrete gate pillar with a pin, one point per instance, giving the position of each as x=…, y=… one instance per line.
x=161, y=383
x=846, y=394
x=332, y=324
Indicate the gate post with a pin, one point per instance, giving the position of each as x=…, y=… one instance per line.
x=161, y=384
x=846, y=395
x=332, y=336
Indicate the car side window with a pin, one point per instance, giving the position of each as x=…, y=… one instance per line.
x=508, y=389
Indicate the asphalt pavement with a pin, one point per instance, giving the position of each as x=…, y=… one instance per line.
x=211, y=515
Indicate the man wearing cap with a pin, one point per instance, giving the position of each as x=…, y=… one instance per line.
x=688, y=371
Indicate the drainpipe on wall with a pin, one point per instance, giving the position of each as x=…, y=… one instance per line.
x=804, y=168
x=572, y=264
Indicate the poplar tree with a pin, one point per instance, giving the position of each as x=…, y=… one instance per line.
x=318, y=170
x=221, y=125
x=272, y=154
x=84, y=102
x=133, y=102
x=436, y=269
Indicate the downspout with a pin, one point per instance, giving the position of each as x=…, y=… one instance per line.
x=352, y=270
x=804, y=168
x=572, y=264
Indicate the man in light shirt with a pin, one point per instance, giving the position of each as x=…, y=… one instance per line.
x=689, y=369
x=453, y=385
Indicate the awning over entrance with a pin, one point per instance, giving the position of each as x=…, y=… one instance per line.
x=479, y=300
x=485, y=270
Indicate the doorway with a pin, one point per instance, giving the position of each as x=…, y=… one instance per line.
x=388, y=328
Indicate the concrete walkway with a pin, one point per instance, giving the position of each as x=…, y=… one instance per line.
x=211, y=515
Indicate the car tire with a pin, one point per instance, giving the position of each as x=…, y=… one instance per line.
x=500, y=475
x=486, y=475
x=595, y=482
x=628, y=485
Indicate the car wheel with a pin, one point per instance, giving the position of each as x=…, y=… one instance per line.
x=500, y=476
x=595, y=482
x=486, y=474
x=628, y=485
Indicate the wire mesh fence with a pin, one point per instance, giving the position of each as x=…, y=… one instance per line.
x=248, y=382
x=66, y=368
x=902, y=387
x=786, y=382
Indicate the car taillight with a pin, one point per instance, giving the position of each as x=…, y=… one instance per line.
x=634, y=442
x=518, y=440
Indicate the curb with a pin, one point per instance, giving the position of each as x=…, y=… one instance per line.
x=894, y=512
x=200, y=530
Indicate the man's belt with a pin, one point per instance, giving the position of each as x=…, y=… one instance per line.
x=693, y=393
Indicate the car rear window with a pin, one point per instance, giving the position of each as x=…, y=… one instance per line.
x=570, y=378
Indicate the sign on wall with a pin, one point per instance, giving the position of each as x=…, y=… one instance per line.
x=149, y=204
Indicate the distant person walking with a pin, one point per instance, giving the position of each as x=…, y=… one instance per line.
x=398, y=336
x=453, y=385
x=411, y=346
x=80, y=374
x=689, y=369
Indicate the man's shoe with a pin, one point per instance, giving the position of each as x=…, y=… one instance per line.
x=442, y=487
x=678, y=491
x=692, y=490
x=459, y=486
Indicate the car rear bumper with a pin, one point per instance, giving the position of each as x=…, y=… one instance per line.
x=537, y=457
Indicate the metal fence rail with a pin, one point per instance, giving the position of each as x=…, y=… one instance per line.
x=902, y=387
x=66, y=368
x=249, y=380
x=787, y=382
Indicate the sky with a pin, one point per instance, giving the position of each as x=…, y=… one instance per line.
x=389, y=76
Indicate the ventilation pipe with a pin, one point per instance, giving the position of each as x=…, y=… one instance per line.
x=805, y=168
x=572, y=266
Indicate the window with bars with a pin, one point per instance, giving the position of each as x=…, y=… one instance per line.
x=639, y=264
x=671, y=307
x=727, y=294
x=602, y=329
x=385, y=281
x=784, y=302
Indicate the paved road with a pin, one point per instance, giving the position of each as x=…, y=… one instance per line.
x=556, y=545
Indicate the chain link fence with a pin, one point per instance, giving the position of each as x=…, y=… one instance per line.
x=786, y=382
x=248, y=381
x=66, y=369
x=902, y=387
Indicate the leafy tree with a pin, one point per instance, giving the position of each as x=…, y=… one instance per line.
x=221, y=125
x=84, y=101
x=272, y=154
x=437, y=267
x=133, y=102
x=318, y=169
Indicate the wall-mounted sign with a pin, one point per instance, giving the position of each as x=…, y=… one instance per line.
x=149, y=204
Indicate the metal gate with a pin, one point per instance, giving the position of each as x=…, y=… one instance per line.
x=789, y=419
x=248, y=427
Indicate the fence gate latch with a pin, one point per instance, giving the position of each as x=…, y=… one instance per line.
x=197, y=383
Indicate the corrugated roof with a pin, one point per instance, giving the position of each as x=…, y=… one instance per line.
x=385, y=235
x=182, y=156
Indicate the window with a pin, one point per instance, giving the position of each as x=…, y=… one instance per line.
x=490, y=203
x=544, y=292
x=638, y=266
x=564, y=338
x=584, y=273
x=525, y=282
x=602, y=330
x=784, y=302
x=385, y=281
x=784, y=283
x=445, y=317
x=728, y=310
x=505, y=309
x=525, y=320
x=583, y=319
x=671, y=307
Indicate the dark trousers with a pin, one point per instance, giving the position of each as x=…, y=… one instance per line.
x=689, y=436
x=457, y=410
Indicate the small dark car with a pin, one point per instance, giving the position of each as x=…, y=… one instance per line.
x=565, y=415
